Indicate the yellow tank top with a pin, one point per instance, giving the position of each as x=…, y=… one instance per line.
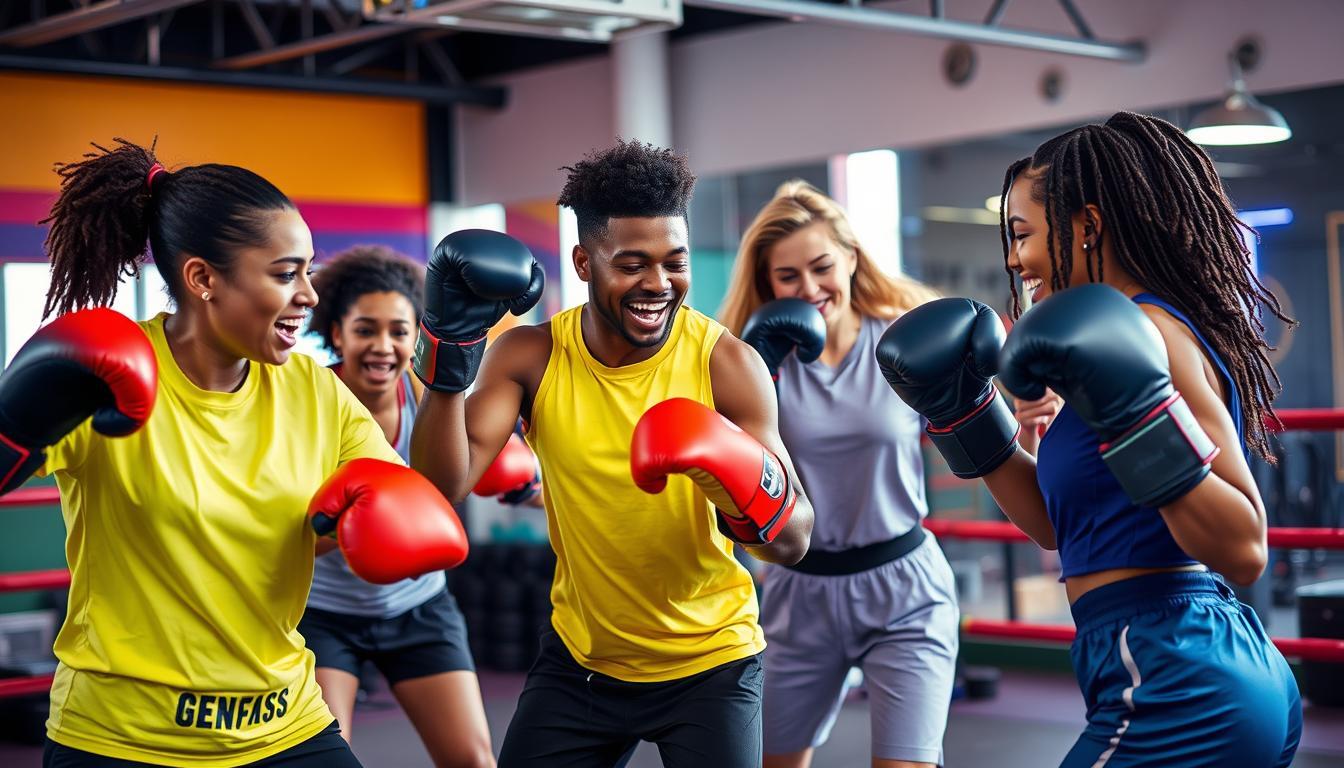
x=646, y=588
x=190, y=559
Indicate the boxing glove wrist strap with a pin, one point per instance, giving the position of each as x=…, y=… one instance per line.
x=766, y=512
x=523, y=493
x=1163, y=457
x=17, y=464
x=979, y=442
x=749, y=532
x=447, y=366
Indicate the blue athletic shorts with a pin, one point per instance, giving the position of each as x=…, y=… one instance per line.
x=1177, y=672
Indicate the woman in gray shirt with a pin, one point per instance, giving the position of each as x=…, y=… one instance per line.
x=875, y=590
x=412, y=631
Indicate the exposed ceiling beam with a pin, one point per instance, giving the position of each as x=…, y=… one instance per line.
x=362, y=57
x=260, y=31
x=1079, y=23
x=872, y=18
x=442, y=64
x=86, y=19
x=338, y=22
x=486, y=96
x=995, y=12
x=312, y=45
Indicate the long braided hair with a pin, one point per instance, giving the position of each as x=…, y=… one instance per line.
x=108, y=212
x=1173, y=229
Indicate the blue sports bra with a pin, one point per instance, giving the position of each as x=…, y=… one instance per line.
x=1097, y=527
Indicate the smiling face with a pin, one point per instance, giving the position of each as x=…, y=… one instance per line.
x=810, y=265
x=375, y=340
x=260, y=305
x=1028, y=249
x=638, y=275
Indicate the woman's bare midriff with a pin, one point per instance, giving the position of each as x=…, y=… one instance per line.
x=1078, y=586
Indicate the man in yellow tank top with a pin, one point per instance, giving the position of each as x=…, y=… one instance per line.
x=655, y=623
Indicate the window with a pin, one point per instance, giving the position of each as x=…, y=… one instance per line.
x=25, y=293
x=872, y=197
x=573, y=291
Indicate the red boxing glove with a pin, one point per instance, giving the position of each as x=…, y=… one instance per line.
x=94, y=362
x=513, y=476
x=391, y=523
x=745, y=480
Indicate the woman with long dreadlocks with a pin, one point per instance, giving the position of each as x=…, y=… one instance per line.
x=1142, y=481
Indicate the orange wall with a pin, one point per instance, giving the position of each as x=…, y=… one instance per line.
x=314, y=147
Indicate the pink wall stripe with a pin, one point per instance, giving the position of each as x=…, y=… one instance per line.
x=19, y=206
x=530, y=230
x=342, y=217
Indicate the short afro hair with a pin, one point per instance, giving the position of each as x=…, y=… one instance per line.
x=631, y=179
x=359, y=270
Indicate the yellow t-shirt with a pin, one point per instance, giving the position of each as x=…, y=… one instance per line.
x=646, y=588
x=190, y=560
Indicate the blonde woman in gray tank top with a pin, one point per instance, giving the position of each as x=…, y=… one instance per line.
x=875, y=590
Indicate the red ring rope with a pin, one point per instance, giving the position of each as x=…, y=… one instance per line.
x=31, y=497
x=1307, y=648
x=998, y=530
x=25, y=686
x=1308, y=420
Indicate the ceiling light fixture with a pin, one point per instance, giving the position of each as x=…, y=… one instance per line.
x=1240, y=119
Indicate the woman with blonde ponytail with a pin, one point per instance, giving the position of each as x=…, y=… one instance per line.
x=874, y=590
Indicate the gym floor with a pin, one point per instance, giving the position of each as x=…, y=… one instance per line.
x=1030, y=724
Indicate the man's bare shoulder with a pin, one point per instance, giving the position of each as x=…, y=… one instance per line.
x=521, y=354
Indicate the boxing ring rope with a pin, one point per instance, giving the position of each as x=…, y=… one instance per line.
x=23, y=581
x=1307, y=648
x=25, y=686
x=1308, y=420
x=997, y=530
x=31, y=497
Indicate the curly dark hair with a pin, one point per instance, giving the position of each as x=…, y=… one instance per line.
x=356, y=271
x=630, y=179
x=1172, y=227
x=107, y=212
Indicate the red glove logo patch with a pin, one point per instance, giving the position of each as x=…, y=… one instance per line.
x=772, y=476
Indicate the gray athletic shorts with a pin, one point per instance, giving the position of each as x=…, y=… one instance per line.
x=897, y=622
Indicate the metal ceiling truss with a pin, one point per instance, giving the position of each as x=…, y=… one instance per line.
x=85, y=17
x=592, y=21
x=270, y=30
x=936, y=24
x=290, y=43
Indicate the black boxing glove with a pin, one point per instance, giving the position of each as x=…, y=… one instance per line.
x=783, y=325
x=473, y=277
x=1097, y=349
x=940, y=359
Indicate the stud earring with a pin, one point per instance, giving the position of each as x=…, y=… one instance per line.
x=205, y=295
